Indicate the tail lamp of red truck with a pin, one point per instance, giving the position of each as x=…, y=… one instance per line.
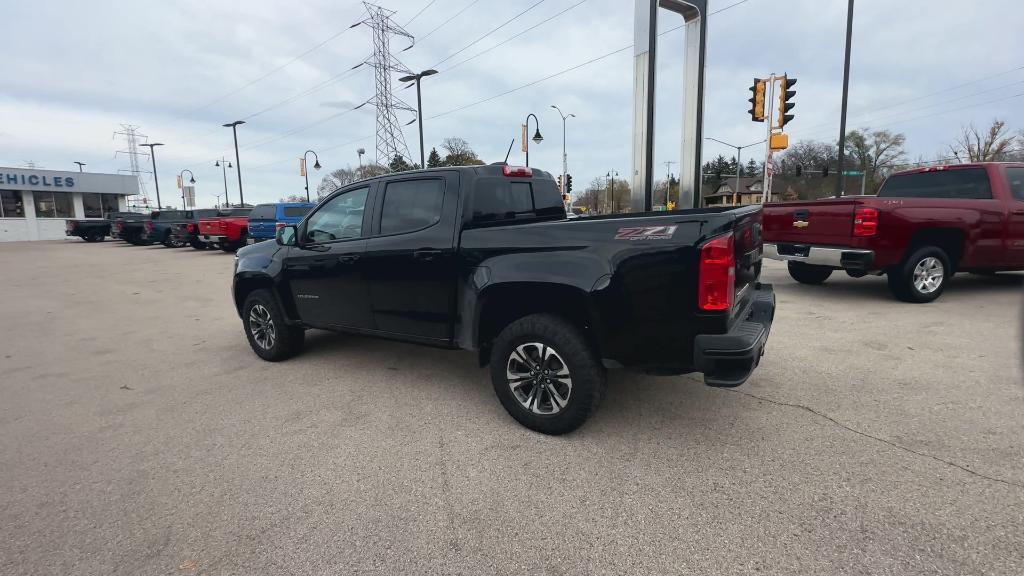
x=865, y=222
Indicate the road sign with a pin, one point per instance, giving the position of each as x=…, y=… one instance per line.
x=190, y=196
x=852, y=173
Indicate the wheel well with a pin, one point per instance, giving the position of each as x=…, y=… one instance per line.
x=246, y=286
x=502, y=305
x=950, y=240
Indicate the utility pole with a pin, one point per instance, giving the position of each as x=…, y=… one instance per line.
x=739, y=163
x=565, y=158
x=668, y=181
x=611, y=189
x=840, y=178
x=238, y=161
x=156, y=181
x=224, y=165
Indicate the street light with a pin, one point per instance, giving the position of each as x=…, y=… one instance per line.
x=611, y=188
x=306, y=172
x=191, y=180
x=565, y=161
x=238, y=162
x=419, y=105
x=536, y=136
x=80, y=164
x=152, y=156
x=224, y=169
x=739, y=166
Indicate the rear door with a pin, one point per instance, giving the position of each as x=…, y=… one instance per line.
x=410, y=259
x=262, y=220
x=1014, y=240
x=818, y=222
x=323, y=272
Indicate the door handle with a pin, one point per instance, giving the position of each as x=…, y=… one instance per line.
x=348, y=258
x=426, y=255
x=1019, y=211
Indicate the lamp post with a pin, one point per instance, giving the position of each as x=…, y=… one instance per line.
x=419, y=105
x=739, y=165
x=238, y=162
x=611, y=188
x=536, y=136
x=565, y=158
x=360, y=152
x=156, y=181
x=841, y=183
x=306, y=172
x=80, y=164
x=181, y=179
x=223, y=165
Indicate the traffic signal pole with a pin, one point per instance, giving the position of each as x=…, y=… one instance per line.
x=768, y=112
x=840, y=178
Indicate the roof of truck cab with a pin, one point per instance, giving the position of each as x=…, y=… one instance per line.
x=943, y=167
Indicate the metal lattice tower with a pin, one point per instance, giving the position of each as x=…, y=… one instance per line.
x=131, y=134
x=390, y=139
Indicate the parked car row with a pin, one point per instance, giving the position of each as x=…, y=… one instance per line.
x=227, y=228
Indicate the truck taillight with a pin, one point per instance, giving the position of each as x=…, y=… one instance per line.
x=279, y=225
x=71, y=224
x=717, y=274
x=120, y=225
x=865, y=222
x=149, y=226
x=517, y=171
x=191, y=228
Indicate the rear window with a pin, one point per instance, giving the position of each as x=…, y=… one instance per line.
x=263, y=212
x=235, y=212
x=971, y=183
x=1015, y=176
x=296, y=211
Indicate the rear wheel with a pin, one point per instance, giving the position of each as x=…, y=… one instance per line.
x=921, y=277
x=197, y=245
x=809, y=273
x=269, y=337
x=546, y=374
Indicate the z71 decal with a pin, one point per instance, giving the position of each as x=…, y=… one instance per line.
x=646, y=233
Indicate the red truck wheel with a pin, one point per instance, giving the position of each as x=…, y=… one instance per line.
x=921, y=277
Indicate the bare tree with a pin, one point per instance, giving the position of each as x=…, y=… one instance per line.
x=992, y=145
x=876, y=153
x=459, y=153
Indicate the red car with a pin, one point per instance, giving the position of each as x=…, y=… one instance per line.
x=228, y=231
x=922, y=227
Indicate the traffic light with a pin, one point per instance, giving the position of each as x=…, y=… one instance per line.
x=799, y=170
x=757, y=100
x=560, y=188
x=785, y=94
x=568, y=183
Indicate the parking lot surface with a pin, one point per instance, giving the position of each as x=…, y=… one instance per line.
x=140, y=435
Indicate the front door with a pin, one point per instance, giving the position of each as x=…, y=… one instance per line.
x=410, y=259
x=323, y=271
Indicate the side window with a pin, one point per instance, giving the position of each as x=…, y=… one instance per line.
x=956, y=183
x=411, y=205
x=340, y=218
x=1015, y=176
x=262, y=212
x=296, y=211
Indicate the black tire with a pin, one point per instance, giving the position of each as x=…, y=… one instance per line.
x=167, y=240
x=570, y=352
x=906, y=282
x=228, y=247
x=284, y=341
x=93, y=237
x=197, y=245
x=809, y=273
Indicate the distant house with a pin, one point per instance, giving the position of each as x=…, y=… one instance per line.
x=749, y=193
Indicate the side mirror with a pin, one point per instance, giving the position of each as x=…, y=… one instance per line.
x=286, y=235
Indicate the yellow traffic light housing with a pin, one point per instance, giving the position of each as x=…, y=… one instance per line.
x=785, y=94
x=757, y=100
x=778, y=141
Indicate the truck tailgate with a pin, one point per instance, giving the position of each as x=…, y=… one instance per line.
x=821, y=222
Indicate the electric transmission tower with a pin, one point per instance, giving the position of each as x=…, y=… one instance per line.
x=131, y=134
x=390, y=139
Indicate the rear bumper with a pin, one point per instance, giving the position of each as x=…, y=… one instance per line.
x=211, y=239
x=727, y=360
x=847, y=258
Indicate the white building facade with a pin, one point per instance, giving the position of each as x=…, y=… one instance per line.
x=36, y=204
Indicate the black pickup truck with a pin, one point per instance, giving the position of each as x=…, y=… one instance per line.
x=88, y=230
x=484, y=259
x=186, y=233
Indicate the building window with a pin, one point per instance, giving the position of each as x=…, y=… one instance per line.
x=54, y=205
x=93, y=205
x=11, y=204
x=109, y=204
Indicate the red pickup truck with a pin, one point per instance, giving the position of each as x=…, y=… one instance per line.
x=228, y=231
x=922, y=227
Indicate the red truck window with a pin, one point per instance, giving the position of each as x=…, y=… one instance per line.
x=957, y=183
x=1015, y=176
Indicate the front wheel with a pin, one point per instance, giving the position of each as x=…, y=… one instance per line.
x=921, y=277
x=269, y=337
x=809, y=273
x=546, y=374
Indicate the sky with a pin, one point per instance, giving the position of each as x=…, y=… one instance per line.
x=75, y=71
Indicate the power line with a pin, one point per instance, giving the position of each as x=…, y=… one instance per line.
x=492, y=31
x=337, y=77
x=417, y=15
x=514, y=36
x=453, y=17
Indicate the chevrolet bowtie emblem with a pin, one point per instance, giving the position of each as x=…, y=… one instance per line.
x=801, y=224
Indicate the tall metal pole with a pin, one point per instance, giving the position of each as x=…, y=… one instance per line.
x=536, y=138
x=739, y=166
x=224, y=170
x=565, y=156
x=769, y=109
x=419, y=120
x=305, y=168
x=840, y=179
x=152, y=156
x=238, y=161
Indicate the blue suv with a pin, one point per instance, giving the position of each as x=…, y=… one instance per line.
x=265, y=219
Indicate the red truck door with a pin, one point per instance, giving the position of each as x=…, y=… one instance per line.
x=1015, y=215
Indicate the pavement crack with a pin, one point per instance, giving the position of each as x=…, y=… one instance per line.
x=877, y=438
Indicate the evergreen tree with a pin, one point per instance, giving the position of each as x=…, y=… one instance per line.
x=398, y=164
x=434, y=159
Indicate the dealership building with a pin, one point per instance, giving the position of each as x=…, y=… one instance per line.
x=35, y=204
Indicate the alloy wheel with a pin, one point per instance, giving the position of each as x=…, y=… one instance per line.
x=539, y=378
x=928, y=275
x=261, y=326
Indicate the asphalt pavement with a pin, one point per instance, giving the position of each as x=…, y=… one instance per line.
x=139, y=435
